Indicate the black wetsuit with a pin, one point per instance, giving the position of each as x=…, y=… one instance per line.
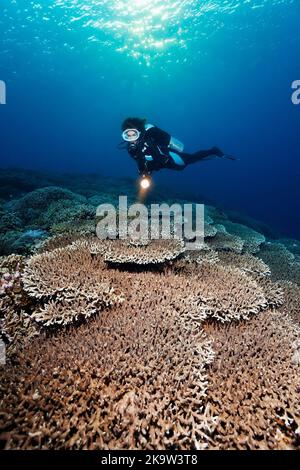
x=152, y=152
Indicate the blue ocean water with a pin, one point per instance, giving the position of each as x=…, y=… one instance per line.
x=210, y=72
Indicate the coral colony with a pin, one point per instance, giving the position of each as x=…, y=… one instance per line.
x=135, y=343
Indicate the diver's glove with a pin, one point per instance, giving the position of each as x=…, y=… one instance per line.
x=135, y=148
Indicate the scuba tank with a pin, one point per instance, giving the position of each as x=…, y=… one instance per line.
x=175, y=144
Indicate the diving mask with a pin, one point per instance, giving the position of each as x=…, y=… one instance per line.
x=131, y=135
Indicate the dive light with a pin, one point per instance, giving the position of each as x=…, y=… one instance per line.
x=145, y=182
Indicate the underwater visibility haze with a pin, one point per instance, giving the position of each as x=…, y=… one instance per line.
x=126, y=344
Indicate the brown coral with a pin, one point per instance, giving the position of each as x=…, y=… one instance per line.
x=223, y=293
x=59, y=241
x=210, y=230
x=245, y=261
x=189, y=263
x=16, y=327
x=202, y=256
x=61, y=271
x=252, y=239
x=75, y=294
x=228, y=293
x=11, y=263
x=291, y=300
x=272, y=290
x=281, y=261
x=255, y=384
x=77, y=305
x=133, y=378
x=259, y=271
x=225, y=241
x=156, y=252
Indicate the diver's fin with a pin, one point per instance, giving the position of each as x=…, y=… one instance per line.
x=219, y=153
x=229, y=157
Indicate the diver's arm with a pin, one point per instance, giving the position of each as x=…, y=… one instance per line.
x=140, y=159
x=142, y=166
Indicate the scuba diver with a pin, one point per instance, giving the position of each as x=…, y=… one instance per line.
x=154, y=149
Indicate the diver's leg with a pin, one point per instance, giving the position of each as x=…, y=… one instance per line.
x=175, y=161
x=171, y=165
x=202, y=155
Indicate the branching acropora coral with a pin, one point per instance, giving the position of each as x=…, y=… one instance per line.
x=134, y=378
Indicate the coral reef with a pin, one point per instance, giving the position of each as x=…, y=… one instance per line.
x=281, y=262
x=204, y=255
x=16, y=324
x=246, y=262
x=210, y=230
x=156, y=252
x=145, y=367
x=9, y=221
x=32, y=205
x=139, y=344
x=291, y=305
x=273, y=291
x=255, y=384
x=225, y=241
x=66, y=211
x=228, y=293
x=252, y=239
x=17, y=328
x=20, y=242
x=58, y=241
x=54, y=278
x=292, y=245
